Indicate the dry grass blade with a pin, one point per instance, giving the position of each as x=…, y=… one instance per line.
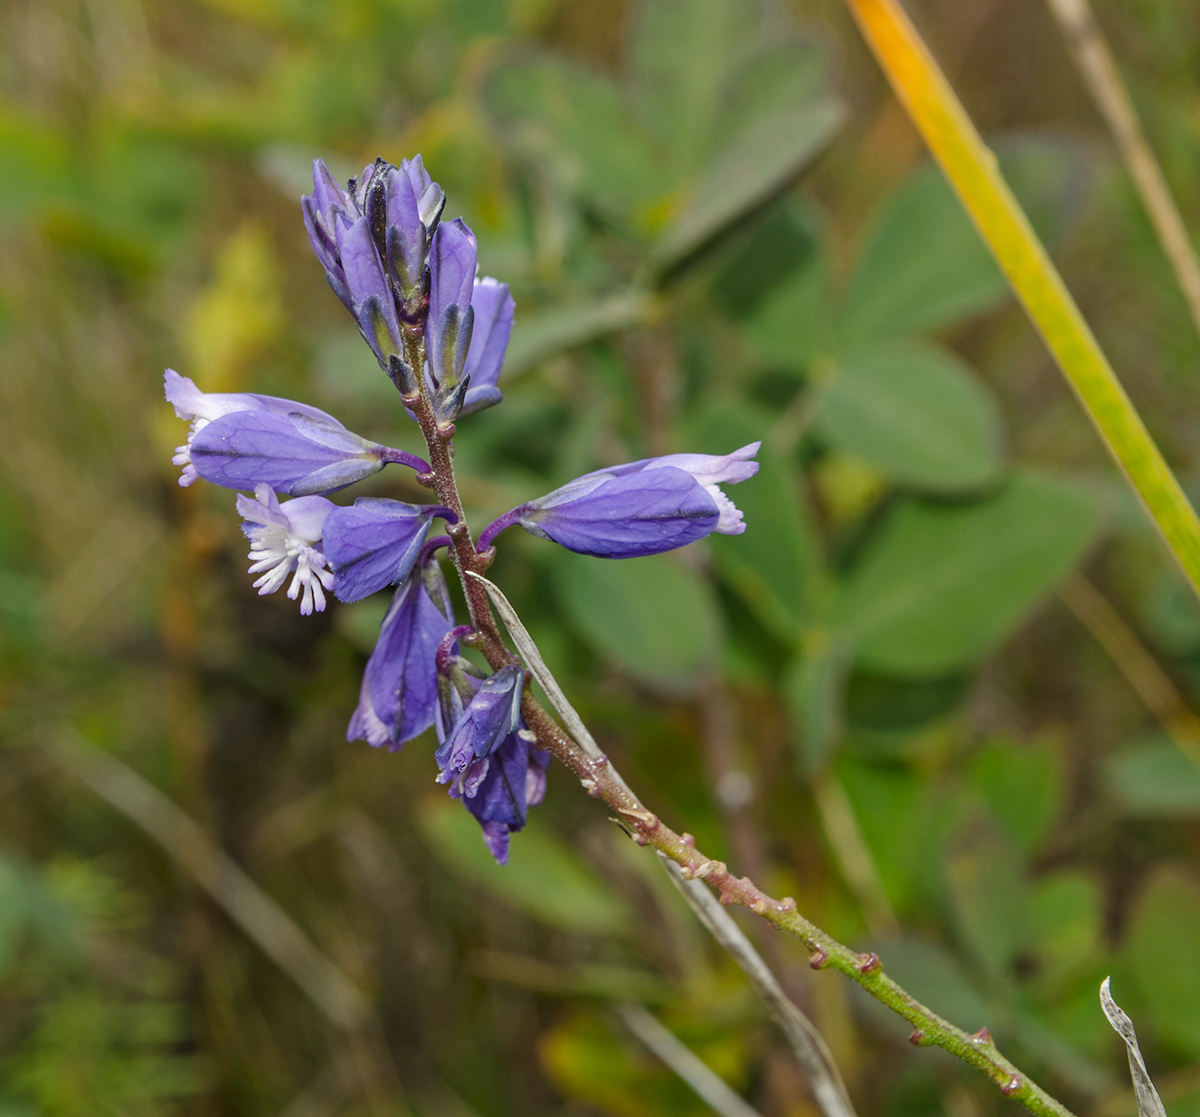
x=806, y=1042
x=1149, y=1103
x=1099, y=69
x=707, y=1084
x=260, y=917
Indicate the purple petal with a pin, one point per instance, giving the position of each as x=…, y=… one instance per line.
x=292, y=453
x=708, y=469
x=452, y=282
x=494, y=310
x=490, y=716
x=495, y=837
x=373, y=305
x=628, y=516
x=191, y=403
x=399, y=691
x=373, y=544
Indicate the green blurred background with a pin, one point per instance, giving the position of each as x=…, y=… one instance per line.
x=887, y=698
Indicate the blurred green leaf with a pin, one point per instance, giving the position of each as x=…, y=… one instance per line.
x=682, y=54
x=1065, y=913
x=1154, y=779
x=778, y=245
x=987, y=892
x=770, y=563
x=915, y=412
x=902, y=820
x=542, y=876
x=778, y=76
x=651, y=616
x=567, y=114
x=814, y=688
x=755, y=168
x=1163, y=956
x=1021, y=783
x=942, y=584
x=546, y=333
x=923, y=267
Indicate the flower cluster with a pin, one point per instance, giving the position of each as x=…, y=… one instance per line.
x=440, y=332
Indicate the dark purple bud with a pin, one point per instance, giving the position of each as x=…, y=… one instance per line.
x=399, y=694
x=375, y=542
x=490, y=716
x=643, y=508
x=452, y=283
x=290, y=452
x=494, y=309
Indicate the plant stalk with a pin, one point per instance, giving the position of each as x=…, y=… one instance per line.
x=973, y=171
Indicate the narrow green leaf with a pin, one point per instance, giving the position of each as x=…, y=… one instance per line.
x=987, y=893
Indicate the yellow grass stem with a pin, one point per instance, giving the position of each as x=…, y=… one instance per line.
x=973, y=171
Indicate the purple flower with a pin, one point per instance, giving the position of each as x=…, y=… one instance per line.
x=328, y=205
x=201, y=408
x=485, y=721
x=376, y=542
x=642, y=508
x=515, y=780
x=372, y=241
x=284, y=540
x=399, y=694
x=452, y=285
x=412, y=205
x=493, y=308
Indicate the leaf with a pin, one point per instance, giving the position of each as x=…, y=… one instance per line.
x=1163, y=957
x=987, y=893
x=923, y=267
x=769, y=565
x=915, y=412
x=815, y=688
x=683, y=51
x=780, y=244
x=760, y=163
x=942, y=584
x=898, y=814
x=1154, y=779
x=1148, y=1102
x=542, y=876
x=651, y=616
x=546, y=333
x=1065, y=922
x=1022, y=785
x=564, y=113
x=779, y=76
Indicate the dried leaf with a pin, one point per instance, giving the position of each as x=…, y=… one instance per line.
x=1149, y=1103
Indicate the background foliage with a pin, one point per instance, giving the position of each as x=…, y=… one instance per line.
x=718, y=227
